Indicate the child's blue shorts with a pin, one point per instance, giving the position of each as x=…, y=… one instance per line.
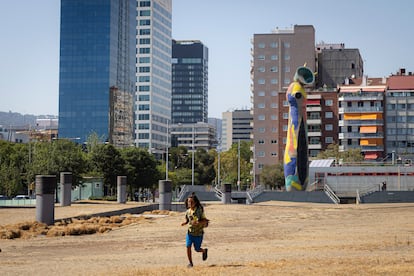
x=196, y=240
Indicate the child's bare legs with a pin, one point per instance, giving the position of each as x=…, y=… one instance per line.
x=190, y=258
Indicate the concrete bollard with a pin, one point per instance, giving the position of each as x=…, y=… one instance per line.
x=165, y=188
x=121, y=185
x=65, y=188
x=45, y=198
x=226, y=199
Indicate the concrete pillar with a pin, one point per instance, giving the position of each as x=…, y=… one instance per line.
x=65, y=188
x=121, y=185
x=226, y=194
x=165, y=189
x=45, y=198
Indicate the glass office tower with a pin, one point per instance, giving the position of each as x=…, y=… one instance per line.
x=153, y=103
x=97, y=81
x=190, y=82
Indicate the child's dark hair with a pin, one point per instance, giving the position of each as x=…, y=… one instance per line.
x=196, y=201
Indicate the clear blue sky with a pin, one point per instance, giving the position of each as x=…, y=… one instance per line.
x=383, y=31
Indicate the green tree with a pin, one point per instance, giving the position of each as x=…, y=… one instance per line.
x=52, y=158
x=332, y=151
x=229, y=164
x=140, y=169
x=12, y=168
x=107, y=161
x=273, y=176
x=204, y=167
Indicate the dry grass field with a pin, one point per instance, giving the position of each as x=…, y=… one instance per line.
x=270, y=238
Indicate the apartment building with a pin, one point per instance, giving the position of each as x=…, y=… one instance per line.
x=361, y=116
x=275, y=57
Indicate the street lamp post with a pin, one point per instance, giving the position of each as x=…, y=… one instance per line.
x=166, y=146
x=192, y=161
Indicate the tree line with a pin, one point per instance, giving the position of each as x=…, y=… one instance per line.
x=20, y=163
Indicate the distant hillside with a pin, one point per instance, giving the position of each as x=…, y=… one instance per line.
x=16, y=119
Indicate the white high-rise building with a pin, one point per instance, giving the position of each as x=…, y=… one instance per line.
x=153, y=96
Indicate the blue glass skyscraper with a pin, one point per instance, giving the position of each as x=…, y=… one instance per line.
x=97, y=80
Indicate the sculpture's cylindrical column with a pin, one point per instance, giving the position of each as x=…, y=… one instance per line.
x=165, y=188
x=45, y=198
x=226, y=199
x=121, y=184
x=65, y=188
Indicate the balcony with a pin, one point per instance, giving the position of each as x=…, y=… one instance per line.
x=358, y=109
x=311, y=108
x=314, y=146
x=353, y=135
x=360, y=123
x=314, y=121
x=314, y=133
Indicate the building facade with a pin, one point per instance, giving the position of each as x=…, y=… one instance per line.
x=275, y=57
x=153, y=99
x=97, y=53
x=236, y=126
x=189, y=82
x=194, y=136
x=336, y=63
x=322, y=120
x=399, y=120
x=361, y=117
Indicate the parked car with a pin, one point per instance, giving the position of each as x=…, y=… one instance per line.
x=19, y=197
x=3, y=197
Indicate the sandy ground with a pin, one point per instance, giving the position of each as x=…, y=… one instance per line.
x=271, y=238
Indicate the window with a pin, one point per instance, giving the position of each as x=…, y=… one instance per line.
x=273, y=154
x=273, y=81
x=144, y=50
x=261, y=93
x=273, y=141
x=261, y=57
x=261, y=117
x=273, y=69
x=328, y=114
x=287, y=57
x=261, y=129
x=261, y=81
x=328, y=127
x=261, y=45
x=274, y=57
x=285, y=115
x=261, y=69
x=144, y=41
x=261, y=154
x=329, y=102
x=145, y=22
x=328, y=140
x=145, y=31
x=286, y=44
x=261, y=141
x=145, y=13
x=273, y=117
x=261, y=105
x=273, y=45
x=273, y=105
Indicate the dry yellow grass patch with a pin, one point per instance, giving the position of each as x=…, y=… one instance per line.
x=84, y=225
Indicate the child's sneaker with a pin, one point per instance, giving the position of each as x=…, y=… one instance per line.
x=205, y=254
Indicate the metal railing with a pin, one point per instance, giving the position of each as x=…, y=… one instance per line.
x=331, y=194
